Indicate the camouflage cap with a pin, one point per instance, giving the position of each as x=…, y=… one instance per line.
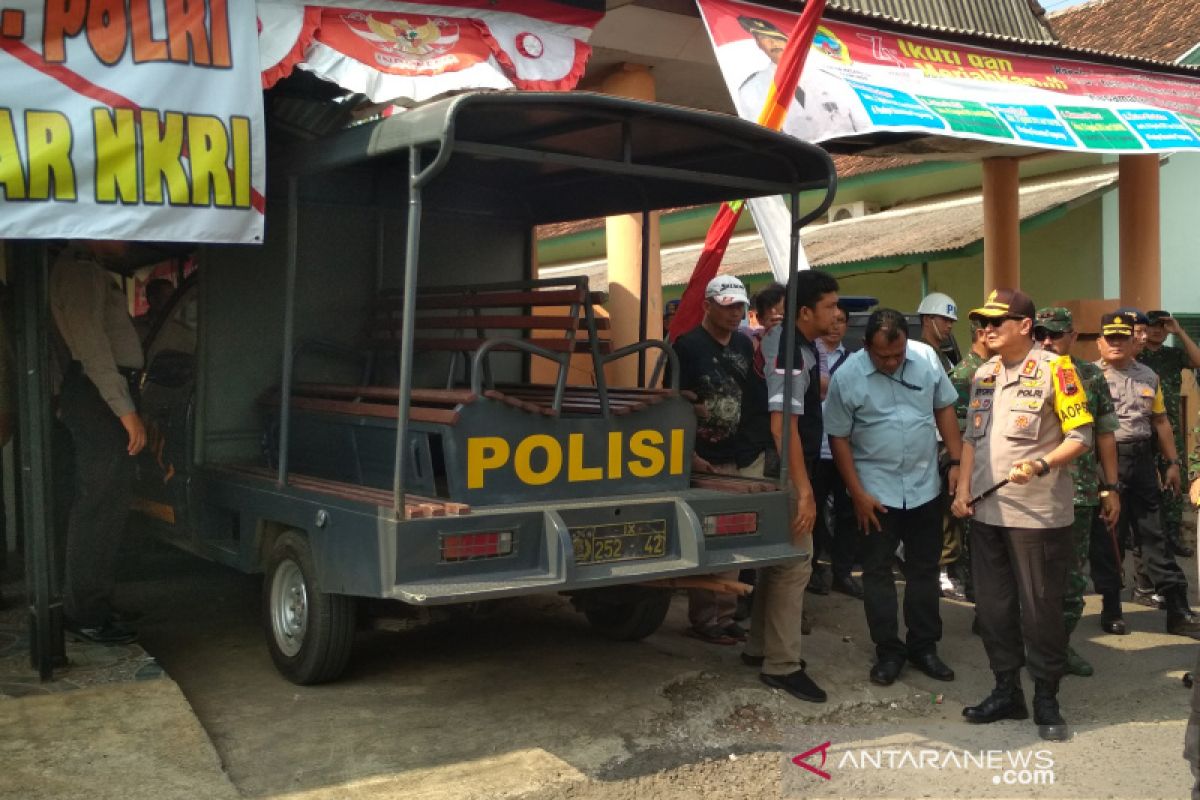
x=1055, y=319
x=756, y=26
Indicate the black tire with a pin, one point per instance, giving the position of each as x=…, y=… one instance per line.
x=311, y=636
x=628, y=617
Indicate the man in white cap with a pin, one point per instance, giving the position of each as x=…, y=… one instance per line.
x=716, y=361
x=938, y=314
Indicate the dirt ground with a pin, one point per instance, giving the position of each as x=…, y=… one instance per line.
x=525, y=702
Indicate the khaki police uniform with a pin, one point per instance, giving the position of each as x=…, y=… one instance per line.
x=99, y=356
x=1137, y=395
x=1020, y=536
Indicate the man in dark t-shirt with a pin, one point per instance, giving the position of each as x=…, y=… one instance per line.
x=716, y=361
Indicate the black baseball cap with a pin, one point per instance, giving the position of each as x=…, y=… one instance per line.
x=1118, y=323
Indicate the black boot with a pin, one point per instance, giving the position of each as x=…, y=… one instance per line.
x=1006, y=701
x=1181, y=620
x=1051, y=726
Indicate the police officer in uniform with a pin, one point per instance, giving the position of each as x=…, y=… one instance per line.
x=1028, y=420
x=99, y=356
x=1137, y=395
x=822, y=109
x=1055, y=329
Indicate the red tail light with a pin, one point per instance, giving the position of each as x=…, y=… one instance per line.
x=470, y=546
x=731, y=524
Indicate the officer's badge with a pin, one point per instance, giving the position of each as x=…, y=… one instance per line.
x=978, y=422
x=1118, y=320
x=1030, y=368
x=1021, y=422
x=1068, y=382
x=1146, y=391
x=992, y=297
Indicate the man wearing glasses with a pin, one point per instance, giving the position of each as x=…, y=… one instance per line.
x=1027, y=420
x=1095, y=483
x=881, y=413
x=1137, y=395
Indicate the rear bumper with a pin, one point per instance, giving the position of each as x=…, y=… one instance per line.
x=544, y=557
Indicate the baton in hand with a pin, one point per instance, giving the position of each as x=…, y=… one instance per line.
x=987, y=493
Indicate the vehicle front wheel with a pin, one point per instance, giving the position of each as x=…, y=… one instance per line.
x=627, y=615
x=309, y=633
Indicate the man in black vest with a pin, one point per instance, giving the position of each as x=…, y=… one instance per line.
x=779, y=603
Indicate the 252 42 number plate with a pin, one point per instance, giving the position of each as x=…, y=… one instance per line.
x=619, y=541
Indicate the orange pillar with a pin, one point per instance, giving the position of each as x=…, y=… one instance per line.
x=1001, y=224
x=1140, y=249
x=623, y=239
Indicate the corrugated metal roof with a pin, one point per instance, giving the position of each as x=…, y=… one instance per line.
x=923, y=230
x=1014, y=19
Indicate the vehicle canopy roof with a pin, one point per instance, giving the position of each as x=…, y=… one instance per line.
x=558, y=156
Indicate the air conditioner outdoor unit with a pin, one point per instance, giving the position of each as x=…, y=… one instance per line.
x=859, y=208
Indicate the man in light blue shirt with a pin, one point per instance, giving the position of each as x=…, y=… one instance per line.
x=884, y=409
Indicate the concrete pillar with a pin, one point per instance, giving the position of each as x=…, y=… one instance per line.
x=623, y=239
x=1001, y=224
x=1140, y=248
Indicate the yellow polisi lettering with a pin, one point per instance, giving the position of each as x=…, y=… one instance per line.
x=615, y=454
x=484, y=453
x=646, y=445
x=576, y=471
x=538, y=460
x=523, y=459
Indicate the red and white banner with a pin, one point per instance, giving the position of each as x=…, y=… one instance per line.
x=410, y=52
x=134, y=120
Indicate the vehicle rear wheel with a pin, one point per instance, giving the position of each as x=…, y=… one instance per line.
x=628, y=615
x=309, y=633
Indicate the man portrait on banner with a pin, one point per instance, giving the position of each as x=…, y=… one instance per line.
x=823, y=108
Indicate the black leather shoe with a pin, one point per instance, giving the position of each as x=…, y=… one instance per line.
x=885, y=672
x=819, y=581
x=108, y=634
x=848, y=584
x=797, y=684
x=931, y=665
x=1006, y=701
x=757, y=661
x=1113, y=624
x=1182, y=550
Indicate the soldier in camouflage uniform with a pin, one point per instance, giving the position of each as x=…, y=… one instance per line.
x=1169, y=363
x=961, y=376
x=1055, y=330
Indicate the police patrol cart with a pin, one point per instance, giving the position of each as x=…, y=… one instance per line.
x=362, y=418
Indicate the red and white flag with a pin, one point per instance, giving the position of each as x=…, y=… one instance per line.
x=410, y=52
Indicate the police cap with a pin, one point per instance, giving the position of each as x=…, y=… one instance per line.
x=1118, y=323
x=757, y=26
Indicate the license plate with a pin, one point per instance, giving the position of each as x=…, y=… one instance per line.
x=619, y=541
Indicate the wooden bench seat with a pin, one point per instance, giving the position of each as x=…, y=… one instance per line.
x=732, y=483
x=415, y=506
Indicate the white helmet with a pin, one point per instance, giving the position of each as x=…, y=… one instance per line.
x=939, y=304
